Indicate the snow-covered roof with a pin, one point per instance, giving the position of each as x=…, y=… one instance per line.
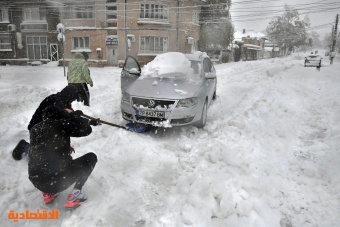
x=238, y=35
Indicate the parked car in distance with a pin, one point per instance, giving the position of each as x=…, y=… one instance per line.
x=174, y=89
x=313, y=60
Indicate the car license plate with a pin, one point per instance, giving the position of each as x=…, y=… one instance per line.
x=156, y=114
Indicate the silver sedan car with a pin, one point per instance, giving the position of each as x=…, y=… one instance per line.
x=313, y=60
x=174, y=89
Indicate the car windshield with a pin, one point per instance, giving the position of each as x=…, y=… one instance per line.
x=173, y=65
x=313, y=56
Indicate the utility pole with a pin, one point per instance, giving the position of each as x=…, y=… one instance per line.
x=335, y=33
x=334, y=36
x=125, y=32
x=61, y=39
x=177, y=27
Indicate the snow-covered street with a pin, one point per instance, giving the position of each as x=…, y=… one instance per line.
x=268, y=156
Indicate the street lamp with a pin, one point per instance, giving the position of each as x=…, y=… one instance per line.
x=61, y=39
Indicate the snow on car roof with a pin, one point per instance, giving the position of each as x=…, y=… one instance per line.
x=167, y=63
x=196, y=56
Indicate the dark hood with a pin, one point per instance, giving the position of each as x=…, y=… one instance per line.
x=69, y=94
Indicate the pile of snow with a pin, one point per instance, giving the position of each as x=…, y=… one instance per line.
x=167, y=63
x=36, y=63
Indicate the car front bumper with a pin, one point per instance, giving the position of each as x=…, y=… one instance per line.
x=173, y=116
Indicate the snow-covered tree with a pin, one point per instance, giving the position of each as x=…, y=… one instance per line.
x=217, y=35
x=217, y=29
x=327, y=42
x=288, y=30
x=316, y=42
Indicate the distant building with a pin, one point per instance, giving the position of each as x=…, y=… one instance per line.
x=251, y=45
x=271, y=49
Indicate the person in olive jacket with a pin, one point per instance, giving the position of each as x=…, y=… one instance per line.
x=78, y=74
x=62, y=100
x=51, y=167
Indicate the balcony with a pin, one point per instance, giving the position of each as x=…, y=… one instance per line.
x=34, y=26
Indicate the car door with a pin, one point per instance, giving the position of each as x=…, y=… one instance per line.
x=130, y=73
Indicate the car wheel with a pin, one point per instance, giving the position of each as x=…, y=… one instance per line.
x=201, y=123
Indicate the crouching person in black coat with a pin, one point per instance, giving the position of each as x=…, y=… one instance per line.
x=62, y=100
x=51, y=167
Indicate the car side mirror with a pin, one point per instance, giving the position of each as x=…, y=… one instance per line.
x=134, y=71
x=210, y=75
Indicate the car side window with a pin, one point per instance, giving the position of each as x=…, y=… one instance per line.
x=212, y=68
x=131, y=65
x=208, y=66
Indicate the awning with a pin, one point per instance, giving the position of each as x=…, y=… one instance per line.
x=252, y=47
x=271, y=48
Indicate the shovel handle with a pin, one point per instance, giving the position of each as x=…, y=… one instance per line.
x=103, y=122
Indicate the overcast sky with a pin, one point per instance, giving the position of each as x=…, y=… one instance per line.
x=256, y=14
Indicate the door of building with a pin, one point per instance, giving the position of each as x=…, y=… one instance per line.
x=54, y=52
x=36, y=47
x=112, y=56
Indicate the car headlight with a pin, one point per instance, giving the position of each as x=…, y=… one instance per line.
x=126, y=97
x=190, y=102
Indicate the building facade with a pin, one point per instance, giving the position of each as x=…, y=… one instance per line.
x=28, y=32
x=109, y=30
x=251, y=45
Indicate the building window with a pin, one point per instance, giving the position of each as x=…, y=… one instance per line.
x=151, y=44
x=153, y=11
x=78, y=12
x=5, y=42
x=195, y=17
x=111, y=12
x=84, y=12
x=31, y=14
x=4, y=15
x=81, y=42
x=36, y=47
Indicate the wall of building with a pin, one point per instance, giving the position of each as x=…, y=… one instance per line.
x=176, y=33
x=177, y=28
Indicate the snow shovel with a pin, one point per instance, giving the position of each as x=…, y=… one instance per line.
x=134, y=127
